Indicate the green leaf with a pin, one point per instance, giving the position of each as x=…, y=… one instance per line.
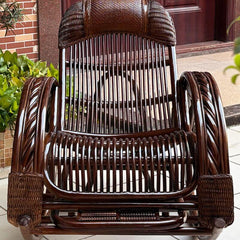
x=234, y=78
x=230, y=67
x=53, y=72
x=3, y=69
x=15, y=106
x=231, y=24
x=5, y=102
x=17, y=82
x=10, y=90
x=3, y=88
x=14, y=58
x=2, y=62
x=7, y=57
x=14, y=70
x=237, y=60
x=237, y=45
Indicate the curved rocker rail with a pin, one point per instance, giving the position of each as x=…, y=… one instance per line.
x=215, y=188
x=29, y=140
x=31, y=124
x=199, y=89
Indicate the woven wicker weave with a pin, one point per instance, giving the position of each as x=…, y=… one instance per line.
x=215, y=198
x=25, y=188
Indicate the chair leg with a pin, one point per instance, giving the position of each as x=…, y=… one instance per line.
x=219, y=224
x=24, y=224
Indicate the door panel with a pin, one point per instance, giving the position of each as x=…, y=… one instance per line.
x=194, y=19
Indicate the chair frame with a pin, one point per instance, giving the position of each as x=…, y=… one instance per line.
x=196, y=126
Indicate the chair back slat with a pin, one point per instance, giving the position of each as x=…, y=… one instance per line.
x=118, y=83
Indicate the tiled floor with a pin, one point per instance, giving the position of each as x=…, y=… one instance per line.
x=8, y=232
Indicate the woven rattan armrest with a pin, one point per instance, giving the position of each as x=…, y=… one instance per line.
x=37, y=96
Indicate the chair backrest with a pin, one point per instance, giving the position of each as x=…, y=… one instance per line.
x=118, y=68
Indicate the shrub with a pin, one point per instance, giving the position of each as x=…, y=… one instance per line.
x=14, y=70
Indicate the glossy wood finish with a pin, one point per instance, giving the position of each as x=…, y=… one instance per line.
x=194, y=19
x=119, y=144
x=113, y=84
x=190, y=16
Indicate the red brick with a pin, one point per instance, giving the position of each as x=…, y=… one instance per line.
x=35, y=24
x=20, y=4
x=3, y=46
x=27, y=11
x=31, y=43
x=7, y=39
x=33, y=56
x=30, y=30
x=15, y=45
x=15, y=32
x=29, y=27
x=23, y=24
x=25, y=1
x=24, y=50
x=35, y=36
x=29, y=4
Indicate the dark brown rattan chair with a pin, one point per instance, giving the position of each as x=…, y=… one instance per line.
x=119, y=145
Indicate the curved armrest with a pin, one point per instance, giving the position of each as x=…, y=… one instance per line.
x=29, y=137
x=199, y=96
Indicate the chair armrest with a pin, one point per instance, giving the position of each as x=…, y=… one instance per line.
x=201, y=111
x=38, y=94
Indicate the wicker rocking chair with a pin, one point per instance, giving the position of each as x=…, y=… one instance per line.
x=119, y=145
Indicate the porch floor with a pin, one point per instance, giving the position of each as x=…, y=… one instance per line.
x=215, y=64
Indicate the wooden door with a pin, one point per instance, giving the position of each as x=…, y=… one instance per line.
x=194, y=19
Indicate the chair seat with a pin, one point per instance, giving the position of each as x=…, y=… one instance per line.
x=160, y=164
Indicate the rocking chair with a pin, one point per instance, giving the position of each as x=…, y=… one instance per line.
x=120, y=144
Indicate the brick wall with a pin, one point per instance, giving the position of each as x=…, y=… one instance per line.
x=6, y=142
x=24, y=38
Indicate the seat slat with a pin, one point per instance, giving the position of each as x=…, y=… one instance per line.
x=110, y=165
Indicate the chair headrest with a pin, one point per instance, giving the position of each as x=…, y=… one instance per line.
x=88, y=18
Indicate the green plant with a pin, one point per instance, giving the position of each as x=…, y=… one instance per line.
x=235, y=67
x=237, y=39
x=236, y=52
x=14, y=70
x=10, y=13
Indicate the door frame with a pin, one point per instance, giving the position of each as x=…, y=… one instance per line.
x=226, y=12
